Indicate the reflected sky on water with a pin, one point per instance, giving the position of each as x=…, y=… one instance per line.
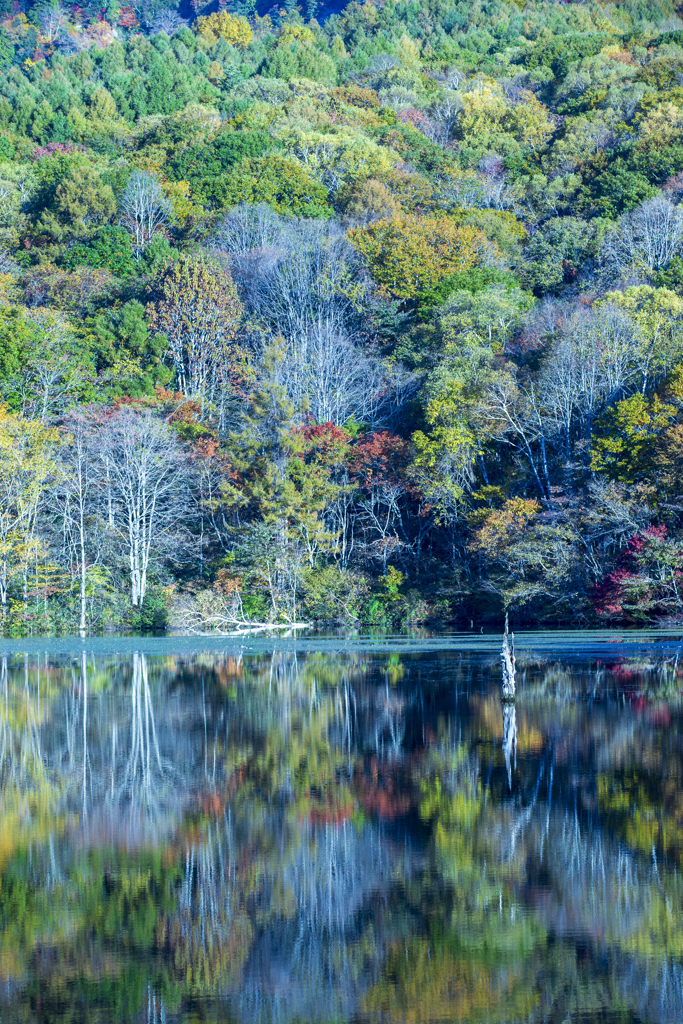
x=327, y=831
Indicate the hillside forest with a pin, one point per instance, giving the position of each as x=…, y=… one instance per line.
x=368, y=317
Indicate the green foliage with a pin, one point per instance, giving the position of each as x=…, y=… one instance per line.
x=202, y=165
x=558, y=253
x=109, y=249
x=470, y=309
x=279, y=181
x=474, y=280
x=128, y=357
x=629, y=432
x=293, y=59
x=15, y=340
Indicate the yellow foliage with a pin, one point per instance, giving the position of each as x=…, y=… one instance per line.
x=658, y=313
x=179, y=194
x=197, y=122
x=503, y=526
x=484, y=110
x=27, y=462
x=371, y=200
x=435, y=984
x=674, y=384
x=342, y=152
x=487, y=111
x=223, y=25
x=338, y=48
x=408, y=52
x=10, y=293
x=290, y=33
x=530, y=123
x=409, y=254
x=215, y=72
x=102, y=106
x=77, y=122
x=661, y=126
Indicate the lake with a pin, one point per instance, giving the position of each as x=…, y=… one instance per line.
x=328, y=829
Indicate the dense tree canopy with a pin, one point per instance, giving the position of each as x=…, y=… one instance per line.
x=448, y=236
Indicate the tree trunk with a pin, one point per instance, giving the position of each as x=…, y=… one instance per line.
x=508, y=658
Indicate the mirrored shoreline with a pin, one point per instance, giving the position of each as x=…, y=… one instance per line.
x=364, y=834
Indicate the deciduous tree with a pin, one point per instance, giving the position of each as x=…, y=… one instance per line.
x=148, y=475
x=195, y=304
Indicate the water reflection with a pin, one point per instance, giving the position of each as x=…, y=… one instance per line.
x=510, y=738
x=326, y=837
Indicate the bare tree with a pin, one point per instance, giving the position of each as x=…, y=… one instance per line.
x=7, y=264
x=143, y=210
x=52, y=20
x=497, y=193
x=168, y=21
x=444, y=116
x=487, y=188
x=80, y=478
x=324, y=373
x=294, y=273
x=596, y=359
x=210, y=612
x=644, y=241
x=304, y=283
x=148, y=477
x=514, y=417
x=43, y=385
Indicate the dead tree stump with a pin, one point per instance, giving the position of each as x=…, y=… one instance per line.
x=507, y=656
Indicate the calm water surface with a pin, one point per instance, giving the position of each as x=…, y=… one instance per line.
x=341, y=831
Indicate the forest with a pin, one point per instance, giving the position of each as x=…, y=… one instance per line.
x=360, y=317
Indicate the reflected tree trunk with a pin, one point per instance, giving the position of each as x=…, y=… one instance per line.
x=510, y=739
x=137, y=780
x=84, y=684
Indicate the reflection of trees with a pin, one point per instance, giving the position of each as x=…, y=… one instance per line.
x=304, y=724
x=21, y=758
x=510, y=739
x=209, y=934
x=85, y=736
x=27, y=794
x=142, y=771
x=432, y=981
x=559, y=855
x=236, y=843
x=313, y=959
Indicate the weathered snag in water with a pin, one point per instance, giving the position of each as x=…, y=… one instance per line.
x=508, y=658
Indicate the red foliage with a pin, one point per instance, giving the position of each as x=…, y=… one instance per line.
x=323, y=433
x=660, y=716
x=417, y=119
x=674, y=186
x=381, y=793
x=608, y=596
x=69, y=290
x=53, y=148
x=210, y=805
x=380, y=458
x=128, y=18
x=325, y=442
x=328, y=815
